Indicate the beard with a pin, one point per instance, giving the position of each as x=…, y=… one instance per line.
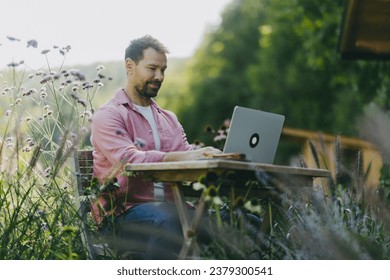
x=149, y=89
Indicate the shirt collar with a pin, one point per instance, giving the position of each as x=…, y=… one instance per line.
x=122, y=98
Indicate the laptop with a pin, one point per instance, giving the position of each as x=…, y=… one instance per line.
x=255, y=134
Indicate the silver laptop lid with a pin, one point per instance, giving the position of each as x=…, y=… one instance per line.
x=254, y=133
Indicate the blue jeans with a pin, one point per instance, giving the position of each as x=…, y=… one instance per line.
x=150, y=230
x=153, y=230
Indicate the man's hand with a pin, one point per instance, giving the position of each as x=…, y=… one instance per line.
x=202, y=153
x=205, y=152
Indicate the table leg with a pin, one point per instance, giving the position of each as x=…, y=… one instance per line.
x=181, y=206
x=189, y=229
x=184, y=219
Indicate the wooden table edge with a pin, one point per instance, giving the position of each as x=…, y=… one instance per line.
x=226, y=165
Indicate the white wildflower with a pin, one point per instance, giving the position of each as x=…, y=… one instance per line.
x=253, y=206
x=198, y=186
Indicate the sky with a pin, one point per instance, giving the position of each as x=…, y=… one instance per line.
x=98, y=30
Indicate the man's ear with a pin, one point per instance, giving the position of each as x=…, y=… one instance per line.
x=129, y=65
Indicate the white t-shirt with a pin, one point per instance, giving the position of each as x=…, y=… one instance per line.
x=148, y=114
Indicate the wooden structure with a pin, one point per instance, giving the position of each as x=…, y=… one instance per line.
x=325, y=147
x=366, y=30
x=365, y=34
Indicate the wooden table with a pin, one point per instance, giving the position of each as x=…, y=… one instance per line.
x=279, y=179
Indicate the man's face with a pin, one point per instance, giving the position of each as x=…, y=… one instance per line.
x=149, y=73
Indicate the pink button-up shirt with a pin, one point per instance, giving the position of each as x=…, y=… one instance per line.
x=121, y=134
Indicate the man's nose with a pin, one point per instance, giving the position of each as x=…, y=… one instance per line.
x=159, y=75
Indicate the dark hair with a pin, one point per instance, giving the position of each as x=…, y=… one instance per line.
x=135, y=50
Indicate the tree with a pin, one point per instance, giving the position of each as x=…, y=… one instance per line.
x=281, y=56
x=215, y=81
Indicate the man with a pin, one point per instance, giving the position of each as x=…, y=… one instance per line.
x=131, y=127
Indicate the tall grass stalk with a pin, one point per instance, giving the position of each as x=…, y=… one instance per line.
x=352, y=222
x=45, y=117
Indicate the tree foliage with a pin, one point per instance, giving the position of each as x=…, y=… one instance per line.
x=281, y=56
